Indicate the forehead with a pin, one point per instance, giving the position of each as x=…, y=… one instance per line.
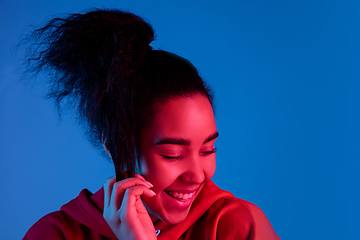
x=183, y=117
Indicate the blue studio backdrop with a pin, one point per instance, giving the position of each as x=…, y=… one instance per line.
x=286, y=80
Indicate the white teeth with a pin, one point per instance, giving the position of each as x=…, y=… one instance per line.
x=182, y=196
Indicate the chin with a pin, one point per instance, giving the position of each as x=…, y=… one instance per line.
x=175, y=219
x=169, y=217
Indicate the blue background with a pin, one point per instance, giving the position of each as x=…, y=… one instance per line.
x=286, y=81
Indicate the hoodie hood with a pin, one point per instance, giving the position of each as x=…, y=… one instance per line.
x=87, y=209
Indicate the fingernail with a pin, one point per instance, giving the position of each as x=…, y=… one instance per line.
x=152, y=192
x=149, y=183
x=142, y=178
x=139, y=176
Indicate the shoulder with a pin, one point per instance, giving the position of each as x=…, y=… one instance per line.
x=51, y=226
x=238, y=217
x=57, y=226
x=80, y=218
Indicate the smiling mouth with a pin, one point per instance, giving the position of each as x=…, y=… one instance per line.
x=180, y=196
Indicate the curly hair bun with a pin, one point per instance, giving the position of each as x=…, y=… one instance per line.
x=92, y=58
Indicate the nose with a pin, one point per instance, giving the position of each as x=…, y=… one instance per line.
x=194, y=171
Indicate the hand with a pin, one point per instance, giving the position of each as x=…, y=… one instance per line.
x=124, y=211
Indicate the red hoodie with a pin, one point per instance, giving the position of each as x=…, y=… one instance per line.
x=215, y=214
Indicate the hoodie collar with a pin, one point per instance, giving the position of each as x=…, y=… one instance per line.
x=207, y=197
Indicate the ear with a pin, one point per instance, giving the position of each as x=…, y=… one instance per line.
x=104, y=143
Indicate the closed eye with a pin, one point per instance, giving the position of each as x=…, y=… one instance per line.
x=172, y=157
x=206, y=153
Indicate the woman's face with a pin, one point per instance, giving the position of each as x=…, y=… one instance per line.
x=177, y=155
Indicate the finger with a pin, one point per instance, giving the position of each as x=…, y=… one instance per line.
x=108, y=187
x=142, y=178
x=119, y=189
x=132, y=195
x=139, y=176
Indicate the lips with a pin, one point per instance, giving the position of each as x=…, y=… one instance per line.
x=182, y=196
x=179, y=200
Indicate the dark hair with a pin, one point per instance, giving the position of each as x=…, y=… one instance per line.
x=101, y=63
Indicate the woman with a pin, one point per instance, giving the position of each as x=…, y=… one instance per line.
x=153, y=116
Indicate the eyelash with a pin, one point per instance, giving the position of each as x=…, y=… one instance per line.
x=181, y=156
x=172, y=158
x=209, y=152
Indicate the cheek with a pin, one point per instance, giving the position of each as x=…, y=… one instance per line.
x=157, y=172
x=147, y=168
x=210, y=169
x=147, y=163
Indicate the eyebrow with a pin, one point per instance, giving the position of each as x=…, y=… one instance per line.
x=211, y=137
x=184, y=142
